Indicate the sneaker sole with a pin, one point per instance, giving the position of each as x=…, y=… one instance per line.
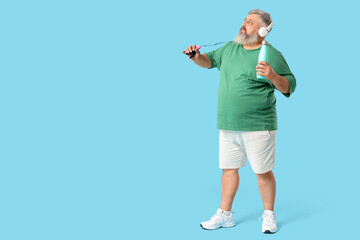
x=269, y=232
x=217, y=228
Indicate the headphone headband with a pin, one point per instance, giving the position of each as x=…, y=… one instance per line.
x=270, y=26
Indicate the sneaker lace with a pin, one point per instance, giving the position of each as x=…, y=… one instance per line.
x=215, y=216
x=267, y=217
x=218, y=214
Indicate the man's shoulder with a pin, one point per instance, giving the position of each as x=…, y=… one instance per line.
x=232, y=47
x=228, y=45
x=275, y=53
x=274, y=50
x=224, y=47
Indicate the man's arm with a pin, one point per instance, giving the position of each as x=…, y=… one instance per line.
x=281, y=83
x=202, y=60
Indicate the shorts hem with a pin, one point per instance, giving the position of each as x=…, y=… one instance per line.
x=232, y=167
x=262, y=172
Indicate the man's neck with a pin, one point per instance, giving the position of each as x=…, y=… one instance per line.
x=252, y=46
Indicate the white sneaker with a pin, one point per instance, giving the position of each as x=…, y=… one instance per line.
x=218, y=220
x=268, y=222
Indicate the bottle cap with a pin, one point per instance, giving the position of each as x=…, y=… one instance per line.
x=265, y=42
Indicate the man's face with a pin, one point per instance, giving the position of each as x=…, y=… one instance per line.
x=251, y=25
x=248, y=33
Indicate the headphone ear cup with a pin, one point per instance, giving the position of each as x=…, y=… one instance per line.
x=263, y=32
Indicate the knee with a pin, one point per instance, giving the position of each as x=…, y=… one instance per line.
x=265, y=176
x=230, y=171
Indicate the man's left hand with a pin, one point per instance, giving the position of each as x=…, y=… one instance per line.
x=264, y=69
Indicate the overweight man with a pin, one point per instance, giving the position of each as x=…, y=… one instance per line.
x=246, y=113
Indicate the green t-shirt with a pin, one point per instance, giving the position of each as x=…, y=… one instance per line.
x=246, y=103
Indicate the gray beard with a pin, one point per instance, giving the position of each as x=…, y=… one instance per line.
x=244, y=39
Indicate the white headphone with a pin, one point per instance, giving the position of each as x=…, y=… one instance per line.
x=264, y=31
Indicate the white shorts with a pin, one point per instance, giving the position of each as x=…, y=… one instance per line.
x=256, y=146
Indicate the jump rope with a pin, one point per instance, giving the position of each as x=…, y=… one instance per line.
x=191, y=54
x=263, y=32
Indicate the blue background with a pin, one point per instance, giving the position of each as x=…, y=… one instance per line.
x=107, y=131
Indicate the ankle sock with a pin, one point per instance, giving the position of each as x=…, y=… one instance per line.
x=226, y=213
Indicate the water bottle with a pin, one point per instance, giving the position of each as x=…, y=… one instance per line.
x=263, y=56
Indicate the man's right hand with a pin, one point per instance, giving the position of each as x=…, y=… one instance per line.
x=192, y=49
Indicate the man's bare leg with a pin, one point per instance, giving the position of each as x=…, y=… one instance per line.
x=229, y=186
x=267, y=187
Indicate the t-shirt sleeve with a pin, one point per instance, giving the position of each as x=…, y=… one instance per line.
x=281, y=67
x=216, y=56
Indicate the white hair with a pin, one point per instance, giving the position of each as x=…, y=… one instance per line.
x=265, y=18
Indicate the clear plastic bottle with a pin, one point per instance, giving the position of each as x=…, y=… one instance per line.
x=263, y=56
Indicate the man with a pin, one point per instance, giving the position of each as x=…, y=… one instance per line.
x=246, y=114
